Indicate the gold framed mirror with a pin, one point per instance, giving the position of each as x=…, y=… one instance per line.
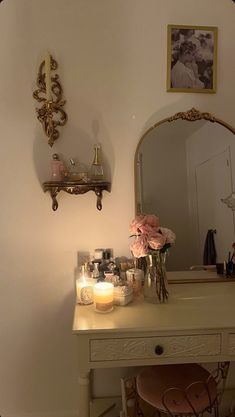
x=184, y=164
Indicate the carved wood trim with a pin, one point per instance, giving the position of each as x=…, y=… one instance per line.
x=144, y=348
x=231, y=344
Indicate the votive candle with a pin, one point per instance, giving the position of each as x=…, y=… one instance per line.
x=103, y=297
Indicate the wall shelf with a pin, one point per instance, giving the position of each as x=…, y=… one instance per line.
x=76, y=187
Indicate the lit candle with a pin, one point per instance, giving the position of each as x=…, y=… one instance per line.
x=84, y=290
x=48, y=75
x=103, y=297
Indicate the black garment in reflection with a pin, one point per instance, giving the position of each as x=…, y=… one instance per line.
x=209, y=255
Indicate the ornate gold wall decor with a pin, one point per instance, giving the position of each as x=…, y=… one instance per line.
x=193, y=115
x=76, y=188
x=51, y=114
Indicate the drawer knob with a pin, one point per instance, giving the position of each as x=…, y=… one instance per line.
x=159, y=350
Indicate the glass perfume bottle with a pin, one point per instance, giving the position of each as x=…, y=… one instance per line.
x=96, y=272
x=57, y=168
x=97, y=172
x=73, y=170
x=77, y=171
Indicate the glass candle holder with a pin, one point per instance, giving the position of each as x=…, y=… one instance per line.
x=84, y=290
x=103, y=297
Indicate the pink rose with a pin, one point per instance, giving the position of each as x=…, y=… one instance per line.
x=156, y=241
x=139, y=247
x=146, y=229
x=149, y=235
x=136, y=223
x=152, y=220
x=169, y=235
x=144, y=223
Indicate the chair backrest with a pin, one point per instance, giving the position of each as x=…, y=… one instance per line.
x=186, y=389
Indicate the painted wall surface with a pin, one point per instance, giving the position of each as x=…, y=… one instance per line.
x=112, y=64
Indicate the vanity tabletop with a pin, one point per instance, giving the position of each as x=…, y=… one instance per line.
x=191, y=306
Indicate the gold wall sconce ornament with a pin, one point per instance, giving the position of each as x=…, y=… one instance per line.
x=229, y=201
x=50, y=93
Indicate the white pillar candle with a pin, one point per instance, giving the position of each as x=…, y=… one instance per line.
x=48, y=76
x=103, y=297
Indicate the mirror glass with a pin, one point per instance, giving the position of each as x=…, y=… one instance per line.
x=182, y=170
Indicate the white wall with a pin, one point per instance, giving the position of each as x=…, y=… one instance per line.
x=112, y=63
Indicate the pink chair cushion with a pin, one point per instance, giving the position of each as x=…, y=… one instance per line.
x=180, y=389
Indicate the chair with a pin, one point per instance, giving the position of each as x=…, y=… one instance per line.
x=185, y=389
x=176, y=390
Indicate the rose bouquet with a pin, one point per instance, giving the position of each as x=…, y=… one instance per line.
x=150, y=246
x=149, y=236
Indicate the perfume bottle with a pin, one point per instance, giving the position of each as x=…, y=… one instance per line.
x=57, y=168
x=96, y=272
x=77, y=172
x=97, y=172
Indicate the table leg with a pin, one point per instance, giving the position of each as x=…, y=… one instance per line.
x=84, y=394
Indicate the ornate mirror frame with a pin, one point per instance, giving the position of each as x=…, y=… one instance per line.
x=191, y=115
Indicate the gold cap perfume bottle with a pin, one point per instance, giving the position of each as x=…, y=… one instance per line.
x=97, y=172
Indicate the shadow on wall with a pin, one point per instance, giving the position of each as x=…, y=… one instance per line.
x=74, y=143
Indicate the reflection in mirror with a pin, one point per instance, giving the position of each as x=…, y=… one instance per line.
x=182, y=170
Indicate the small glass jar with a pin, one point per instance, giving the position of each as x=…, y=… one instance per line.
x=134, y=280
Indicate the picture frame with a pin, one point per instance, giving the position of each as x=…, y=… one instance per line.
x=192, y=58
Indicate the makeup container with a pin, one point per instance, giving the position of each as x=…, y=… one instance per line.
x=122, y=295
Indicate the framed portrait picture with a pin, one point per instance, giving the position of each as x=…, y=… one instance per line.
x=191, y=58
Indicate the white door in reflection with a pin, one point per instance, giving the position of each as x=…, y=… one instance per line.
x=213, y=182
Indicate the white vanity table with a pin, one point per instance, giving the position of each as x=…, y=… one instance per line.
x=197, y=324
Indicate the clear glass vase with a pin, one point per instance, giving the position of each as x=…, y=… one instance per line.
x=155, y=282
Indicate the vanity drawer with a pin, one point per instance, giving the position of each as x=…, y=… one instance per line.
x=231, y=344
x=152, y=347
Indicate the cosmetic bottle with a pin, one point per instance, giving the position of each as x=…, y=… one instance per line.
x=57, y=168
x=97, y=172
x=96, y=271
x=77, y=171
